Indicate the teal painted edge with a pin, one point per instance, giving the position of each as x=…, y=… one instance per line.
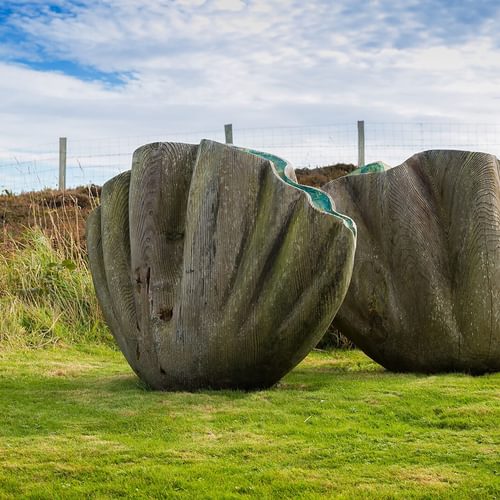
x=370, y=168
x=320, y=199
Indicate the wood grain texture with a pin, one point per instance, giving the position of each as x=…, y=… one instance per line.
x=217, y=272
x=425, y=290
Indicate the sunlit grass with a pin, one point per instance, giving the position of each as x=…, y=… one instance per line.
x=77, y=423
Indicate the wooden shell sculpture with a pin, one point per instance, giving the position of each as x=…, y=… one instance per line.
x=425, y=289
x=213, y=268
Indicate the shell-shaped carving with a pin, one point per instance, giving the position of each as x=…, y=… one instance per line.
x=212, y=267
x=425, y=289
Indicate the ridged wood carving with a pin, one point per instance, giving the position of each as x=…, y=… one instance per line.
x=425, y=289
x=213, y=269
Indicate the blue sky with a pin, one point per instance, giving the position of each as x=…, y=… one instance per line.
x=110, y=68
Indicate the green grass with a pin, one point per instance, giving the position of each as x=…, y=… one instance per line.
x=46, y=294
x=76, y=423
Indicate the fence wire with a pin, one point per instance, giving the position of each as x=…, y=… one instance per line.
x=94, y=161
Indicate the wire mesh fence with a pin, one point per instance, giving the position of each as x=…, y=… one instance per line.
x=94, y=161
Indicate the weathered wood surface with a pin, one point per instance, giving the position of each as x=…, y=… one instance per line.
x=211, y=270
x=425, y=289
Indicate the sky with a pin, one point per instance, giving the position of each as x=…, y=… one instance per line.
x=115, y=68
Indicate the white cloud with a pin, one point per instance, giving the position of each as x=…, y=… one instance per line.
x=229, y=5
x=194, y=64
x=190, y=3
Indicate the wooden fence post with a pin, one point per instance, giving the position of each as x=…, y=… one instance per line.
x=228, y=131
x=63, y=142
x=361, y=143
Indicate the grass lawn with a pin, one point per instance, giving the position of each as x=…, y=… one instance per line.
x=76, y=423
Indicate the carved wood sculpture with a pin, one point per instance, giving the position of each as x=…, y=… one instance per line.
x=425, y=289
x=213, y=268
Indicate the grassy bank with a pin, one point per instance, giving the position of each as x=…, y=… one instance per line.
x=46, y=293
x=76, y=423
